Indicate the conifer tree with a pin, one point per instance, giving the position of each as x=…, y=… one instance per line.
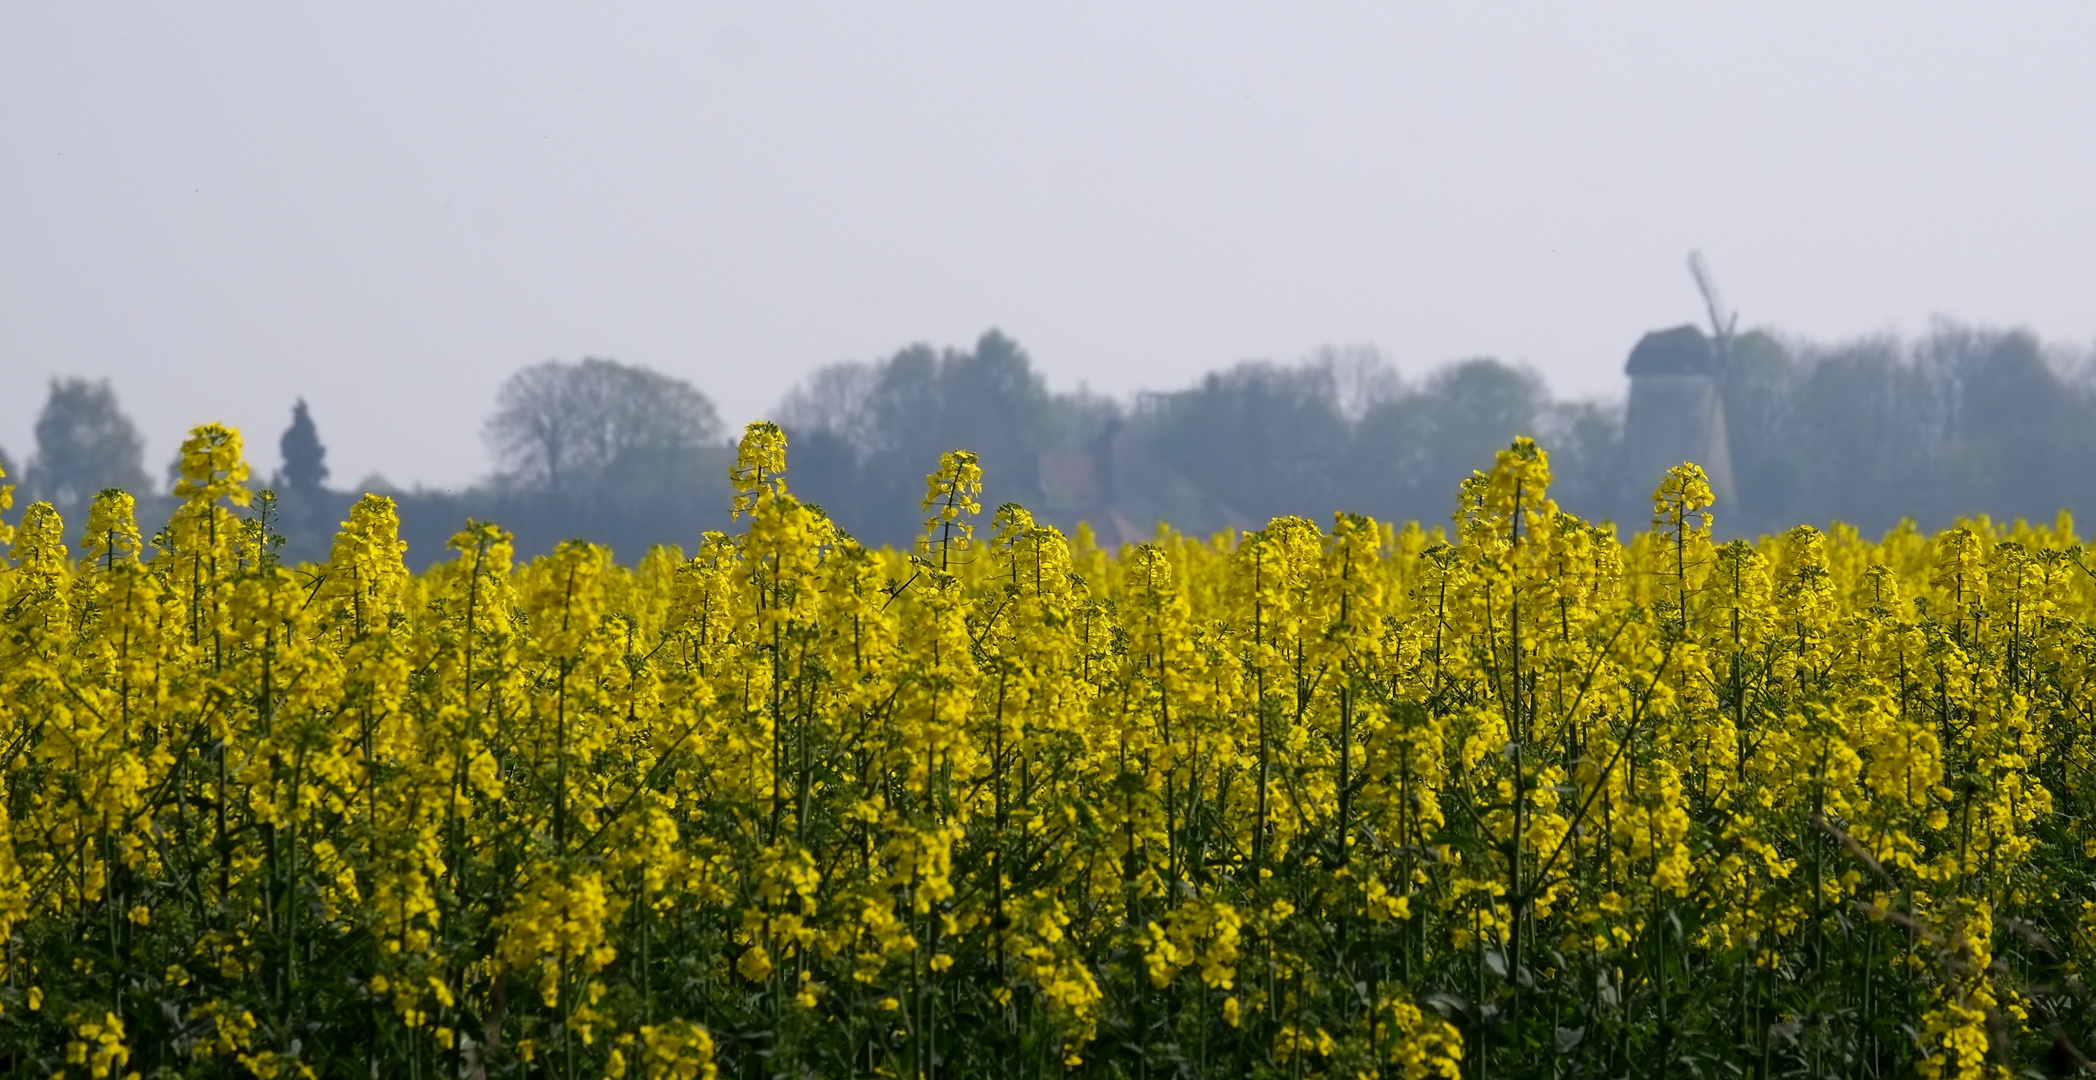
x=305, y=460
x=84, y=443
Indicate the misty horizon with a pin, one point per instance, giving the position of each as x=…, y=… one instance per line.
x=387, y=210
x=2071, y=359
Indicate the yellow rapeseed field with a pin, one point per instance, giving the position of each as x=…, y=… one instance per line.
x=1510, y=797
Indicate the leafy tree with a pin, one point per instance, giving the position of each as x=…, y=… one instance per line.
x=1259, y=440
x=1480, y=405
x=1963, y=421
x=865, y=434
x=994, y=399
x=1758, y=386
x=1585, y=440
x=1410, y=451
x=84, y=443
x=2016, y=433
x=305, y=460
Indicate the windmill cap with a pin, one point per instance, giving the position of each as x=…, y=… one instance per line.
x=1682, y=350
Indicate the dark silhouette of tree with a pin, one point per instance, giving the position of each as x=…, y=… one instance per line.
x=571, y=429
x=1758, y=385
x=1963, y=421
x=1410, y=452
x=84, y=443
x=1585, y=442
x=862, y=436
x=2018, y=437
x=1259, y=440
x=305, y=461
x=596, y=449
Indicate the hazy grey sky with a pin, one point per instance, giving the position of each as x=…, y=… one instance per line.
x=387, y=207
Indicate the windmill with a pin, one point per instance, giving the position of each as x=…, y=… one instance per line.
x=1675, y=413
x=1722, y=323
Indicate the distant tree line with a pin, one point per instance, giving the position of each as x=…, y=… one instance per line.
x=607, y=451
x=1959, y=422
x=1238, y=448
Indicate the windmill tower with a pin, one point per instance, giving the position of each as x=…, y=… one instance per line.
x=1675, y=413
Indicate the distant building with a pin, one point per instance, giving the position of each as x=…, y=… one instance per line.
x=1675, y=414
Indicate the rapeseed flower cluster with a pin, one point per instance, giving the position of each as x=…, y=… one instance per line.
x=1515, y=796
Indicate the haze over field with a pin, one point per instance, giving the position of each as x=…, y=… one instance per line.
x=1079, y=541
x=389, y=209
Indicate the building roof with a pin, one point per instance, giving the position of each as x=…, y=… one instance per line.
x=1682, y=350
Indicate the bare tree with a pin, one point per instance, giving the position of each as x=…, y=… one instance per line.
x=839, y=399
x=570, y=429
x=1362, y=377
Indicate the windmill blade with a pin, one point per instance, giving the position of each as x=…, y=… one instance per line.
x=1713, y=303
x=1722, y=323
